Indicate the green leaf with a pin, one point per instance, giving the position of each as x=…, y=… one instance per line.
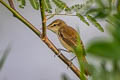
x=68, y=10
x=99, y=3
x=22, y=3
x=76, y=7
x=58, y=10
x=115, y=32
x=114, y=27
x=35, y=4
x=47, y=6
x=118, y=6
x=105, y=49
x=60, y=4
x=82, y=8
x=82, y=18
x=102, y=13
x=94, y=22
x=99, y=12
x=92, y=11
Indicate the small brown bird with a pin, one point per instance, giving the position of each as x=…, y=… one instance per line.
x=67, y=36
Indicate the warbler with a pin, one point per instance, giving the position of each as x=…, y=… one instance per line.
x=68, y=37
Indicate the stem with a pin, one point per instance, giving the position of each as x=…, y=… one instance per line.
x=52, y=15
x=61, y=14
x=11, y=4
x=42, y=8
x=46, y=41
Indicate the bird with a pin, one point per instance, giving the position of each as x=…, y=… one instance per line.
x=69, y=37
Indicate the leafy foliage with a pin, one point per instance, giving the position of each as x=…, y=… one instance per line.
x=35, y=4
x=47, y=6
x=60, y=4
x=78, y=8
x=118, y=6
x=105, y=49
x=102, y=8
x=82, y=18
x=94, y=22
x=22, y=3
x=81, y=10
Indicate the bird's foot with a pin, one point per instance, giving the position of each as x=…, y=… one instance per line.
x=72, y=58
x=71, y=62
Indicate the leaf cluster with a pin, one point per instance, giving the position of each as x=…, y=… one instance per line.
x=78, y=10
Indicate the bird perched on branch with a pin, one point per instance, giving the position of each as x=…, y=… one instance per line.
x=70, y=39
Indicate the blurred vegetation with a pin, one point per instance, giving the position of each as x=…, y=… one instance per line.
x=107, y=49
x=4, y=56
x=91, y=11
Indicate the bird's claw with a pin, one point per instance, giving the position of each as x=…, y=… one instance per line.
x=72, y=58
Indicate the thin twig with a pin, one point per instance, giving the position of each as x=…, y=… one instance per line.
x=42, y=10
x=52, y=15
x=46, y=41
x=60, y=14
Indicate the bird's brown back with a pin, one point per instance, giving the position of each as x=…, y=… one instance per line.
x=69, y=35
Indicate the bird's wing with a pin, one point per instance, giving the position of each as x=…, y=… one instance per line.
x=69, y=36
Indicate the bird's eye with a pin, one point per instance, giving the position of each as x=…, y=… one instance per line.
x=54, y=25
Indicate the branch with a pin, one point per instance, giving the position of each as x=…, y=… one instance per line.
x=46, y=41
x=42, y=10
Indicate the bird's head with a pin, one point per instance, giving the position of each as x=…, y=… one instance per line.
x=56, y=25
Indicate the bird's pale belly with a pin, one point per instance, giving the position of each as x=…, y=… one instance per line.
x=65, y=45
